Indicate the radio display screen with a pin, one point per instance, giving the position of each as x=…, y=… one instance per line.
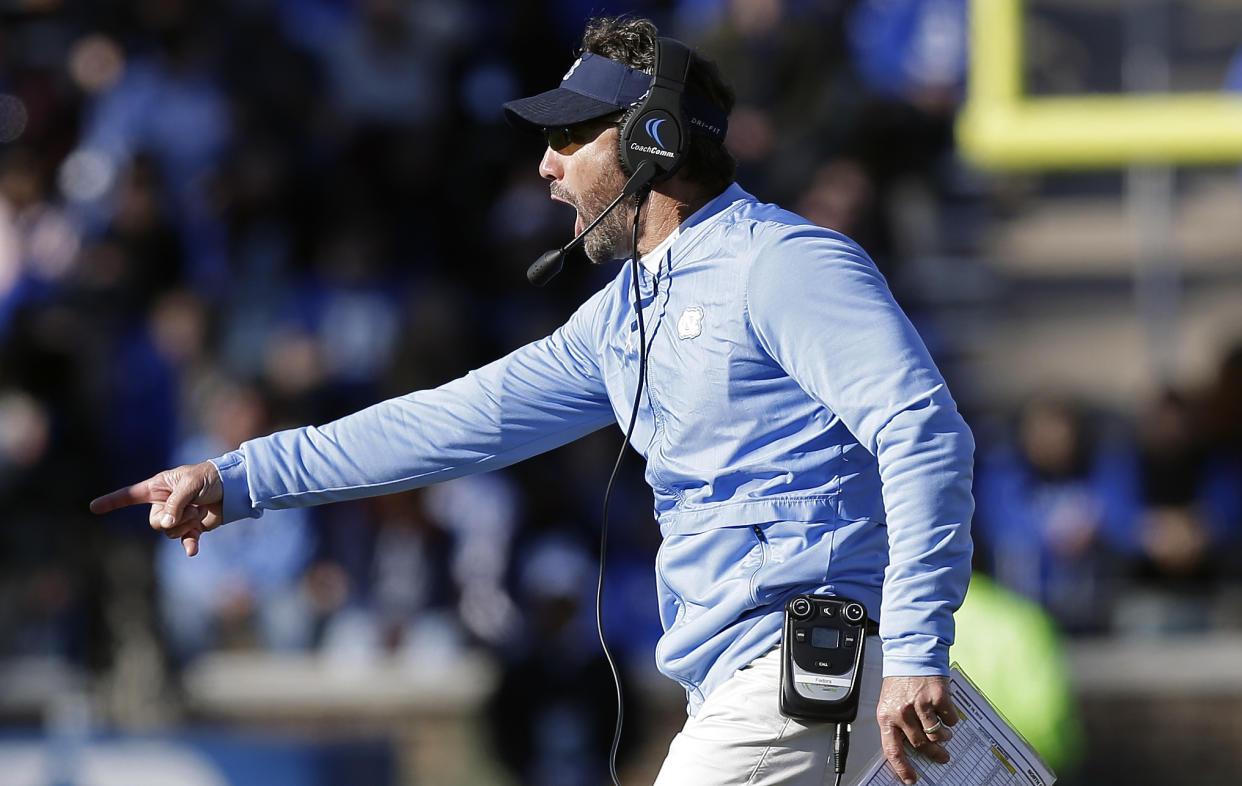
x=825, y=638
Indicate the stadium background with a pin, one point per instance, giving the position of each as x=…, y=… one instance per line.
x=222, y=218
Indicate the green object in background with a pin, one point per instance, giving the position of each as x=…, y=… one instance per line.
x=1012, y=651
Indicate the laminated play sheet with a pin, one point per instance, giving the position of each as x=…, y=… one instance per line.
x=985, y=749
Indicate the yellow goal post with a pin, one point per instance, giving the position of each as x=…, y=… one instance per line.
x=1000, y=127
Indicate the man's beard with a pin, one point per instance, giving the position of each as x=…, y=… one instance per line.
x=610, y=239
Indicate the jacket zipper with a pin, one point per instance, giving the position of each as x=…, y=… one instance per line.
x=754, y=576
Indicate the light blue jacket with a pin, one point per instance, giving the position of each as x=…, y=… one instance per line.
x=798, y=438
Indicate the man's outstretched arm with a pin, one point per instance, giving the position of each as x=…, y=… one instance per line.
x=535, y=398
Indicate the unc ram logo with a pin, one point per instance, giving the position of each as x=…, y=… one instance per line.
x=691, y=322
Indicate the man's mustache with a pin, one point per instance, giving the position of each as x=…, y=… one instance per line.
x=559, y=192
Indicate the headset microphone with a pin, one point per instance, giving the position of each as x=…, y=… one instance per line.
x=549, y=264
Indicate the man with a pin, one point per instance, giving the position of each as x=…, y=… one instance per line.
x=798, y=437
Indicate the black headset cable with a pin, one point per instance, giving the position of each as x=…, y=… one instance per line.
x=639, y=199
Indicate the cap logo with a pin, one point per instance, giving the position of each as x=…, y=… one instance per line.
x=572, y=68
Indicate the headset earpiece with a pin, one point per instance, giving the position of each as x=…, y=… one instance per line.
x=655, y=129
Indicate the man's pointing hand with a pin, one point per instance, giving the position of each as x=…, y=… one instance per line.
x=185, y=502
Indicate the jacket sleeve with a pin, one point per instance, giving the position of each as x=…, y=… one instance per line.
x=822, y=310
x=536, y=398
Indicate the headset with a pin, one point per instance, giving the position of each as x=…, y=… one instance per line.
x=656, y=130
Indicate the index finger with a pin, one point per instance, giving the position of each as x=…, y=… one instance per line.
x=137, y=494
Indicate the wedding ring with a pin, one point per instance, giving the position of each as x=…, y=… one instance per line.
x=933, y=729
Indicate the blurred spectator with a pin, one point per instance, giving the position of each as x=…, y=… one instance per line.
x=388, y=65
x=1223, y=430
x=553, y=715
x=38, y=242
x=1188, y=523
x=913, y=50
x=346, y=309
x=390, y=71
x=1223, y=426
x=246, y=592
x=842, y=196
x=398, y=593
x=40, y=612
x=1051, y=508
x=432, y=308
x=910, y=58
x=169, y=103
x=150, y=368
x=796, y=97
x=482, y=513
x=409, y=580
x=138, y=254
x=263, y=210
x=422, y=572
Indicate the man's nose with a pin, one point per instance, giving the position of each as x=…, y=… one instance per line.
x=550, y=165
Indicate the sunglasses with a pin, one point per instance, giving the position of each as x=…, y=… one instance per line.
x=562, y=137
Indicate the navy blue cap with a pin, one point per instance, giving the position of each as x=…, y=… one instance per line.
x=595, y=86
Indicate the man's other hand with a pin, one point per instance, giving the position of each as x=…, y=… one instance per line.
x=918, y=710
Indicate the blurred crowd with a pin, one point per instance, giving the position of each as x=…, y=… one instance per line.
x=222, y=218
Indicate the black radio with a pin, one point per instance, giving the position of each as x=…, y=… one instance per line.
x=821, y=657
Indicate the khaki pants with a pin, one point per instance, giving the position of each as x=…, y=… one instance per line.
x=740, y=738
